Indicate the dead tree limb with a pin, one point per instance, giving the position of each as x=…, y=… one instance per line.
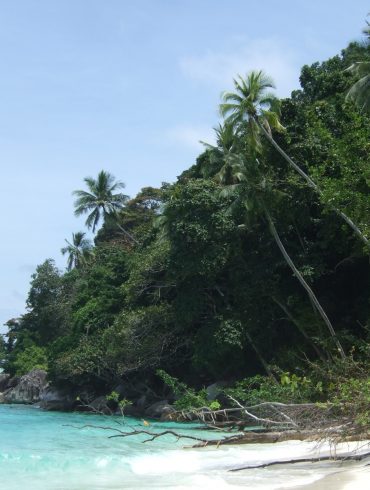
x=135, y=432
x=264, y=420
x=319, y=459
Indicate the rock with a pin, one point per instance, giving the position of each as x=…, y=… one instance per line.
x=100, y=404
x=160, y=410
x=214, y=390
x=2, y=398
x=28, y=389
x=142, y=402
x=4, y=381
x=52, y=398
x=122, y=391
x=131, y=411
x=85, y=395
x=12, y=383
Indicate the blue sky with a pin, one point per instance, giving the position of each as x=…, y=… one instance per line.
x=129, y=87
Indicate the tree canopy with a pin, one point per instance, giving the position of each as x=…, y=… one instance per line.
x=199, y=278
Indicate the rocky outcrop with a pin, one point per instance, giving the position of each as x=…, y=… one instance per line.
x=214, y=390
x=4, y=381
x=100, y=405
x=52, y=399
x=33, y=388
x=160, y=410
x=12, y=383
x=28, y=389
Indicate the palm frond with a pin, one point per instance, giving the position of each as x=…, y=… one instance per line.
x=272, y=120
x=359, y=93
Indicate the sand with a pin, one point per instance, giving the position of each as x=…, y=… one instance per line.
x=356, y=478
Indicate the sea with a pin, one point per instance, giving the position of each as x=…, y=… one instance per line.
x=42, y=450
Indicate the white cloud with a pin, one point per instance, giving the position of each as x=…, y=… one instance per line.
x=190, y=136
x=270, y=55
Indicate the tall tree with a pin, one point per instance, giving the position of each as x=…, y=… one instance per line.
x=360, y=90
x=101, y=200
x=254, y=192
x=79, y=250
x=250, y=104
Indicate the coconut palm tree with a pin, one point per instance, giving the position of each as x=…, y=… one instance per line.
x=360, y=90
x=253, y=191
x=251, y=104
x=79, y=250
x=101, y=200
x=226, y=152
x=259, y=110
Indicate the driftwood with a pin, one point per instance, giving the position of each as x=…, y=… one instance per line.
x=272, y=416
x=334, y=435
x=267, y=422
x=135, y=432
x=347, y=457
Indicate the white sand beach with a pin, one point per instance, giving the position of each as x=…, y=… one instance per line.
x=356, y=478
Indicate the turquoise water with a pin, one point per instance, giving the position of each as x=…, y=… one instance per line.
x=52, y=451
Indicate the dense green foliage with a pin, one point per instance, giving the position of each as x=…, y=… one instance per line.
x=2, y=351
x=32, y=357
x=191, y=278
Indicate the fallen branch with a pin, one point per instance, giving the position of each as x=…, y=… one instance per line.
x=134, y=432
x=155, y=435
x=347, y=457
x=268, y=421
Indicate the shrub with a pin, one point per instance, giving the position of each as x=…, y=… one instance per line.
x=32, y=357
x=187, y=398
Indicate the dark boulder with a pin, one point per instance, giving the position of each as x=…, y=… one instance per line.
x=131, y=410
x=160, y=410
x=214, y=390
x=12, y=383
x=100, y=405
x=52, y=398
x=4, y=381
x=122, y=391
x=28, y=389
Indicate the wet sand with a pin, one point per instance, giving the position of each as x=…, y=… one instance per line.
x=353, y=478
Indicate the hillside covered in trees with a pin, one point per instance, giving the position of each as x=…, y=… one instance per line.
x=254, y=265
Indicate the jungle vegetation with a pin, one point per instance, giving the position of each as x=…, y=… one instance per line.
x=254, y=263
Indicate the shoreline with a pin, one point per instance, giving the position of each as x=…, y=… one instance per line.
x=355, y=478
x=89, y=459
x=332, y=474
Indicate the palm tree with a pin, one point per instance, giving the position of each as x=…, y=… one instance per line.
x=250, y=104
x=225, y=154
x=101, y=201
x=360, y=90
x=79, y=250
x=253, y=191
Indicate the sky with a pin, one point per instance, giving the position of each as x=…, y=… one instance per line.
x=129, y=87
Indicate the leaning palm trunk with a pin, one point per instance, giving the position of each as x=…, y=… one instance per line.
x=261, y=358
x=303, y=282
x=300, y=328
x=127, y=234
x=311, y=183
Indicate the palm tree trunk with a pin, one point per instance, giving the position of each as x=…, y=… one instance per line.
x=261, y=358
x=311, y=183
x=127, y=234
x=301, y=279
x=300, y=328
